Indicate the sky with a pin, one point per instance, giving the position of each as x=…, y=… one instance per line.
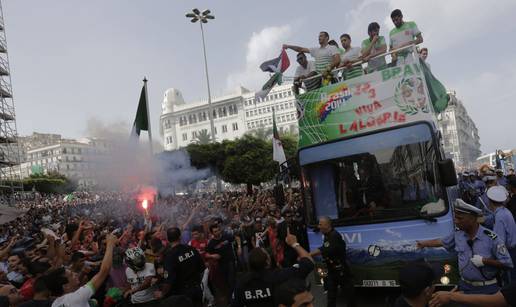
x=79, y=64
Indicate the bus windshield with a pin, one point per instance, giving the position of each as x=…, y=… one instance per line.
x=385, y=176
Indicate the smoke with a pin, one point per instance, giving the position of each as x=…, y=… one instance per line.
x=120, y=162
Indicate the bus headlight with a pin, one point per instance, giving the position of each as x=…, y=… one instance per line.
x=445, y=280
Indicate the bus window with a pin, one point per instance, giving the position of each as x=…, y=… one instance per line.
x=390, y=175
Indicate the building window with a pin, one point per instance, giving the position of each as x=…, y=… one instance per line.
x=247, y=114
x=215, y=130
x=224, y=128
x=194, y=134
x=214, y=114
x=235, y=126
x=280, y=95
x=260, y=111
x=185, y=137
x=248, y=125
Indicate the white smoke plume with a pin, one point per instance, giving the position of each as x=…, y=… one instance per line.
x=121, y=163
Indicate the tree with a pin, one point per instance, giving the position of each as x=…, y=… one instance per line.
x=248, y=160
x=203, y=137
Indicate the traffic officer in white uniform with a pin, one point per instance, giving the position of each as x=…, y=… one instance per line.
x=504, y=225
x=481, y=254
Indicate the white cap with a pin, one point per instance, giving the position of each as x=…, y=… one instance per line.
x=462, y=206
x=497, y=194
x=465, y=174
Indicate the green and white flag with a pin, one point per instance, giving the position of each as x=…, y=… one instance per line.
x=141, y=121
x=278, y=154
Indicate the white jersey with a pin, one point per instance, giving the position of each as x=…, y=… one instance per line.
x=79, y=298
x=135, y=279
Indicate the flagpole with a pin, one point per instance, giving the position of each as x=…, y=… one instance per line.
x=148, y=117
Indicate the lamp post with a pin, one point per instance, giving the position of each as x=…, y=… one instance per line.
x=203, y=17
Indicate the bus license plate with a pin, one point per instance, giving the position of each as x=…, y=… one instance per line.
x=379, y=283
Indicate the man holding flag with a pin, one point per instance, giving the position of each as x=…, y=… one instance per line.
x=278, y=154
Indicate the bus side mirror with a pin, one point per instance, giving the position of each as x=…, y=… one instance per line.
x=447, y=172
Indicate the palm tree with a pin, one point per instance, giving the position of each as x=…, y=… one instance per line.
x=263, y=133
x=203, y=137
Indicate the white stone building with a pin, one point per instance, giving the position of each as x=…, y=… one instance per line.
x=460, y=134
x=234, y=115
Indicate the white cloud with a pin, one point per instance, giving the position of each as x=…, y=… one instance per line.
x=488, y=98
x=262, y=46
x=445, y=24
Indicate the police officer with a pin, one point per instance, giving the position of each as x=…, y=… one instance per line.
x=256, y=288
x=480, y=252
x=482, y=201
x=333, y=252
x=504, y=225
x=183, y=267
x=500, y=178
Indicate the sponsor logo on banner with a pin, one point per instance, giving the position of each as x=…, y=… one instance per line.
x=333, y=100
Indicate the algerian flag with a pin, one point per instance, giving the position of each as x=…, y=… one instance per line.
x=141, y=121
x=436, y=89
x=68, y=197
x=278, y=154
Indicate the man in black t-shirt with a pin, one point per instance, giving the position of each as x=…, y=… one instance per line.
x=183, y=269
x=220, y=251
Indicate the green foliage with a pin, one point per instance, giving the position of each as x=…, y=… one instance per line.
x=248, y=160
x=53, y=182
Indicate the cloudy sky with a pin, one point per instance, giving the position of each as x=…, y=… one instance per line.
x=75, y=62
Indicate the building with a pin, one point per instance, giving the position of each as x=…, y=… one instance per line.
x=44, y=153
x=182, y=123
x=460, y=134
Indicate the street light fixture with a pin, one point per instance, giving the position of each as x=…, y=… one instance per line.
x=195, y=16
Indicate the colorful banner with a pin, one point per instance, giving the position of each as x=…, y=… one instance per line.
x=379, y=100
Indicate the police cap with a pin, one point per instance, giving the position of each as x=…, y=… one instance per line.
x=463, y=207
x=497, y=194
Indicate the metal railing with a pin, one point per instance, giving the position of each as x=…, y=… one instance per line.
x=359, y=63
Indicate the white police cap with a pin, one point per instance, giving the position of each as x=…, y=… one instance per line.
x=465, y=174
x=462, y=206
x=497, y=194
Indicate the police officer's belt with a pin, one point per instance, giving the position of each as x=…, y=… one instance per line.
x=481, y=283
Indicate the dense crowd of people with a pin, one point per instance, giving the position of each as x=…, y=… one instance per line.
x=62, y=245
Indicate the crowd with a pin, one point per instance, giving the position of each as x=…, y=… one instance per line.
x=105, y=248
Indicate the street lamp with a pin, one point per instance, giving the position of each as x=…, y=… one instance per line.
x=203, y=17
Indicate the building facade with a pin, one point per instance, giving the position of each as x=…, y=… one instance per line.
x=460, y=134
x=182, y=123
x=76, y=159
x=507, y=163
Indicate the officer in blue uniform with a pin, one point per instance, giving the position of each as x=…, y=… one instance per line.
x=481, y=254
x=504, y=225
x=482, y=201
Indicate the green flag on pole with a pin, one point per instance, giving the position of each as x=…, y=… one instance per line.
x=141, y=121
x=436, y=89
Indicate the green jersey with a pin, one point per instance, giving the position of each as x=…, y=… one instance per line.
x=402, y=35
x=379, y=62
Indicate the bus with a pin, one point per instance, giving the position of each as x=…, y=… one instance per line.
x=371, y=159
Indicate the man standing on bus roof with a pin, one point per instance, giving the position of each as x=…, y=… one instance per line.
x=480, y=251
x=333, y=252
x=305, y=70
x=404, y=34
x=373, y=46
x=350, y=56
x=504, y=225
x=326, y=56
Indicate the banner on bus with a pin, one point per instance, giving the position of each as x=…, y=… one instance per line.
x=380, y=100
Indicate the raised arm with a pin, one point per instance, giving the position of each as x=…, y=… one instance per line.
x=107, y=261
x=296, y=48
